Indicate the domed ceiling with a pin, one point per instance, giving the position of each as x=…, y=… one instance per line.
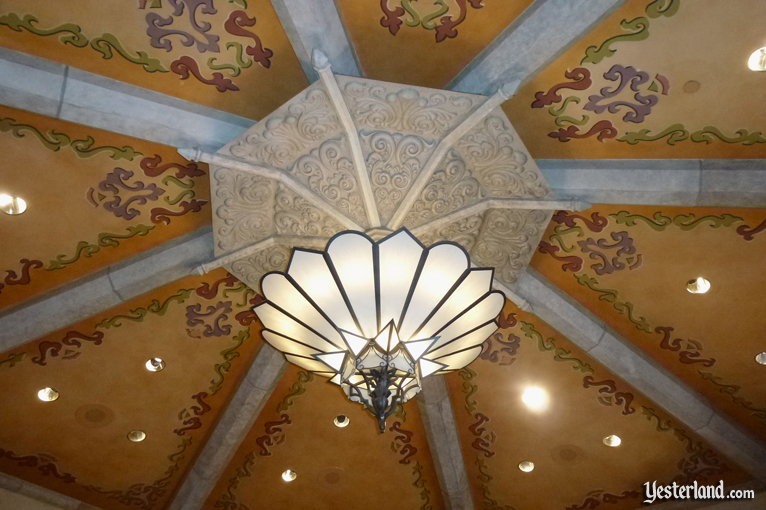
x=628, y=162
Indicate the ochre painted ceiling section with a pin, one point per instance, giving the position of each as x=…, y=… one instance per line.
x=657, y=79
x=78, y=445
x=226, y=55
x=573, y=468
x=423, y=42
x=94, y=198
x=351, y=467
x=630, y=265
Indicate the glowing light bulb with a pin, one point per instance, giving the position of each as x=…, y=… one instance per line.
x=535, y=398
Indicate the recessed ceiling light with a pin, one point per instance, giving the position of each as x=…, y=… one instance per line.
x=154, y=364
x=535, y=398
x=10, y=204
x=47, y=394
x=341, y=421
x=761, y=358
x=613, y=441
x=136, y=435
x=526, y=466
x=288, y=475
x=757, y=60
x=698, y=286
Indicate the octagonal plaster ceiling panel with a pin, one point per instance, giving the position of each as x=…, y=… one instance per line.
x=350, y=153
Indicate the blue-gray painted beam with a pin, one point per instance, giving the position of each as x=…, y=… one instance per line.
x=316, y=24
x=95, y=293
x=675, y=182
x=636, y=368
x=48, y=88
x=537, y=37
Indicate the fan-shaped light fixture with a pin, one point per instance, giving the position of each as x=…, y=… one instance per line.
x=377, y=317
x=757, y=60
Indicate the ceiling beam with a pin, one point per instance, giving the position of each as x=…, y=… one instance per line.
x=30, y=493
x=316, y=24
x=117, y=284
x=42, y=86
x=532, y=41
x=444, y=443
x=681, y=182
x=633, y=365
x=235, y=422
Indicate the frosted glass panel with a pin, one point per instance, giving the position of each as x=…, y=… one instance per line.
x=351, y=256
x=310, y=272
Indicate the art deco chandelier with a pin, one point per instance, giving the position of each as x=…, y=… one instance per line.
x=412, y=186
x=376, y=317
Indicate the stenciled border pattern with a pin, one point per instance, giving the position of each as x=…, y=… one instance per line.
x=440, y=18
x=634, y=94
x=241, y=51
x=120, y=193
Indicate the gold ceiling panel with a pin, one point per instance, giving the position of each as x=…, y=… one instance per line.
x=573, y=468
x=630, y=266
x=217, y=55
x=644, y=84
x=350, y=467
x=78, y=445
x=94, y=198
x=423, y=42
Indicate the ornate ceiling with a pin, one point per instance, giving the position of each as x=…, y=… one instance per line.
x=634, y=144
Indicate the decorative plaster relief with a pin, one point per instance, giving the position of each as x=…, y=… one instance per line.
x=292, y=130
x=329, y=172
x=244, y=208
x=398, y=127
x=451, y=187
x=498, y=159
x=296, y=216
x=390, y=107
x=464, y=231
x=251, y=269
x=393, y=161
x=508, y=240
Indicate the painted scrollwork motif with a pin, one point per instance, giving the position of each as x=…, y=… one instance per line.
x=246, y=210
x=451, y=187
x=290, y=131
x=409, y=110
x=508, y=239
x=329, y=172
x=295, y=216
x=498, y=161
x=394, y=161
x=250, y=269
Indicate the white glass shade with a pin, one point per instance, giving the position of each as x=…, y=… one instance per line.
x=366, y=313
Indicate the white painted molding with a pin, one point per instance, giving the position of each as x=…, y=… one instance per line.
x=322, y=66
